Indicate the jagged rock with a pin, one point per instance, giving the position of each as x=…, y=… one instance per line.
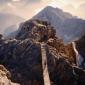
x=43, y=31
x=0, y=36
x=80, y=45
x=35, y=29
x=22, y=59
x=66, y=50
x=4, y=75
x=22, y=56
x=24, y=64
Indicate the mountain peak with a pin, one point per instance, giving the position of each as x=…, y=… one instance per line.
x=51, y=12
x=64, y=22
x=53, y=15
x=48, y=8
x=51, y=9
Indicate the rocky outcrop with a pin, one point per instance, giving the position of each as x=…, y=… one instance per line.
x=35, y=29
x=43, y=31
x=4, y=77
x=23, y=57
x=80, y=45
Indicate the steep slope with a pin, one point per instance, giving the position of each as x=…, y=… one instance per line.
x=28, y=59
x=68, y=27
x=74, y=28
x=50, y=13
x=80, y=45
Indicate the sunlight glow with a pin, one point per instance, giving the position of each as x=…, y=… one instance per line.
x=15, y=0
x=26, y=9
x=11, y=5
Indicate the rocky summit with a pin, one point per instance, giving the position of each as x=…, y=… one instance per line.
x=36, y=56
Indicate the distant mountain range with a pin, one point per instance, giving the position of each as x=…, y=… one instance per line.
x=67, y=26
x=12, y=31
x=9, y=22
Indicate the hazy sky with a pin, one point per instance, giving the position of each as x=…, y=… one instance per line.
x=28, y=8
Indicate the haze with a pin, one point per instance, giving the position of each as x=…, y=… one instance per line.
x=28, y=8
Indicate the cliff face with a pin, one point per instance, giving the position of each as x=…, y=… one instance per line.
x=23, y=57
x=68, y=27
x=37, y=30
x=43, y=31
x=80, y=45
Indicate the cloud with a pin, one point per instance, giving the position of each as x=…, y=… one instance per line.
x=75, y=1
x=81, y=10
x=27, y=8
x=69, y=7
x=82, y=7
x=33, y=0
x=18, y=1
x=11, y=5
x=4, y=1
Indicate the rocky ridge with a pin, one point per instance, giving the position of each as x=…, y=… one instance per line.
x=22, y=56
x=68, y=27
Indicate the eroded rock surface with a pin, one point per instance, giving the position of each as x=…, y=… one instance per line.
x=22, y=56
x=4, y=77
x=80, y=45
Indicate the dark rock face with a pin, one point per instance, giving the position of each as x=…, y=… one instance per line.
x=19, y=58
x=24, y=64
x=80, y=45
x=35, y=29
x=0, y=36
x=43, y=31
x=22, y=56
